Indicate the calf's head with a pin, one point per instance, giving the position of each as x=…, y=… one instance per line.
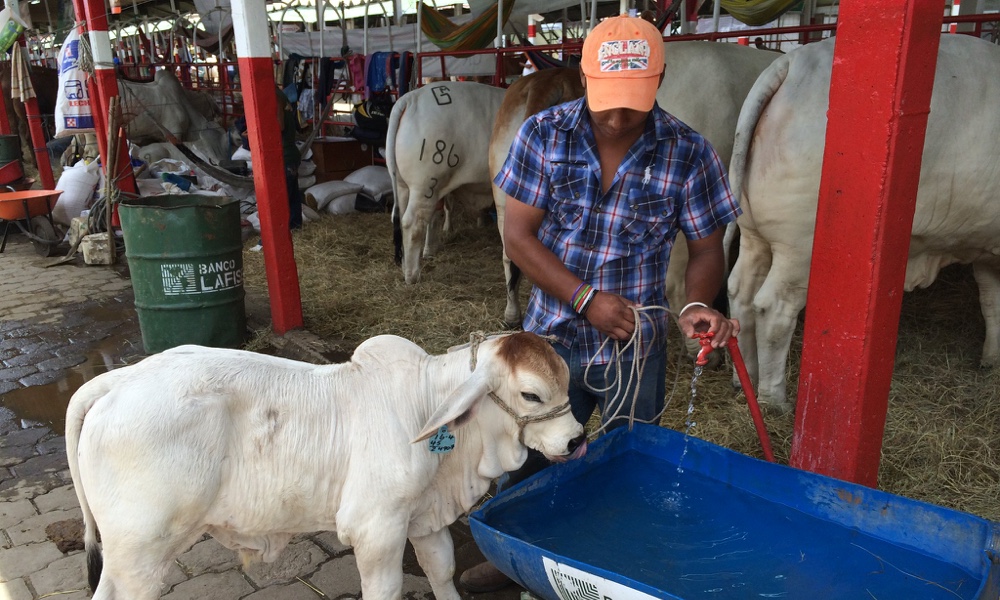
x=523, y=376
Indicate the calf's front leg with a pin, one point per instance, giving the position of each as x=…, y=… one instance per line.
x=379, y=553
x=436, y=555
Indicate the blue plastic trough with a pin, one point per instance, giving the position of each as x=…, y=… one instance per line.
x=653, y=514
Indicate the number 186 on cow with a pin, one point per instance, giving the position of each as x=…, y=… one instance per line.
x=438, y=156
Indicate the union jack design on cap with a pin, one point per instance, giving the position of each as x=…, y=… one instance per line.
x=622, y=62
x=623, y=55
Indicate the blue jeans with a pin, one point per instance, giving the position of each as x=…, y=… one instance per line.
x=583, y=401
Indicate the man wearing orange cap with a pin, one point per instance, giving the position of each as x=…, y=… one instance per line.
x=598, y=189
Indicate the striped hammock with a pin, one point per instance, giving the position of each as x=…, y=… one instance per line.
x=476, y=34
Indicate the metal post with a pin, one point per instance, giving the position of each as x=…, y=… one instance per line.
x=391, y=49
x=92, y=95
x=107, y=88
x=321, y=21
x=34, y=117
x=420, y=34
x=805, y=18
x=880, y=96
x=716, y=11
x=593, y=14
x=500, y=41
x=253, y=46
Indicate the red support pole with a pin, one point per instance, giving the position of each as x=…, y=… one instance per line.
x=34, y=117
x=98, y=111
x=5, y=128
x=107, y=88
x=880, y=92
x=261, y=107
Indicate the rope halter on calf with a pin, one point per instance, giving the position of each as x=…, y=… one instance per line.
x=522, y=421
x=476, y=338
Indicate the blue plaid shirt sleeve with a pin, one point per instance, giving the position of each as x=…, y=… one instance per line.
x=710, y=203
x=522, y=175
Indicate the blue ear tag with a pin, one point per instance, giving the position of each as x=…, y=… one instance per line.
x=442, y=441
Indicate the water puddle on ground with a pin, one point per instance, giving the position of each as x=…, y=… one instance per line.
x=46, y=403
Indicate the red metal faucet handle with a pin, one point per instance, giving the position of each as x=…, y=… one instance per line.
x=705, y=339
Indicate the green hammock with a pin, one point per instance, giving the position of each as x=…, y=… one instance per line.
x=757, y=12
x=474, y=35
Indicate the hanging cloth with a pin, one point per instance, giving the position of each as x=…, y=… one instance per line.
x=20, y=76
x=380, y=74
x=477, y=34
x=541, y=60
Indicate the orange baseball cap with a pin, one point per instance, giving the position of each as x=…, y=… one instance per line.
x=622, y=59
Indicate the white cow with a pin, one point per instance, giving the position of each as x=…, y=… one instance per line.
x=704, y=86
x=150, y=108
x=436, y=145
x=254, y=449
x=777, y=165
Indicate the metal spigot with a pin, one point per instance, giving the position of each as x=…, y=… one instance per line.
x=705, y=339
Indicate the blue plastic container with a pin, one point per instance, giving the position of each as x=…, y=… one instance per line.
x=652, y=513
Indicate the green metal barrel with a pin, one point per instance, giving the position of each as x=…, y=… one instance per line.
x=10, y=148
x=185, y=256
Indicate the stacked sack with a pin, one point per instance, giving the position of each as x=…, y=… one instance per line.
x=369, y=189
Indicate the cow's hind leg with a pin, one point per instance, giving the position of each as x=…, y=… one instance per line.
x=437, y=228
x=988, y=280
x=776, y=308
x=677, y=296
x=512, y=274
x=512, y=312
x=745, y=280
x=414, y=221
x=135, y=571
x=436, y=555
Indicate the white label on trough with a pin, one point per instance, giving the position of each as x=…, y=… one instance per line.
x=200, y=278
x=573, y=584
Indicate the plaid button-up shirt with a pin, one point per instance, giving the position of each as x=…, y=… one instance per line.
x=671, y=180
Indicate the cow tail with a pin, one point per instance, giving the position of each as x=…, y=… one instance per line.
x=760, y=95
x=81, y=403
x=390, y=163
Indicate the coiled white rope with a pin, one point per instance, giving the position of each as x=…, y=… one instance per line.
x=621, y=382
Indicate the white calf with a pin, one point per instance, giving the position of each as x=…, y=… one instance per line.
x=254, y=449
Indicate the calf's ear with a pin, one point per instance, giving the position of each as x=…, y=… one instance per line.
x=458, y=407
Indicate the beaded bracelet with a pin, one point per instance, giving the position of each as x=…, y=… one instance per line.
x=587, y=302
x=580, y=296
x=576, y=293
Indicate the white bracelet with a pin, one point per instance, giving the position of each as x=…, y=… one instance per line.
x=701, y=304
